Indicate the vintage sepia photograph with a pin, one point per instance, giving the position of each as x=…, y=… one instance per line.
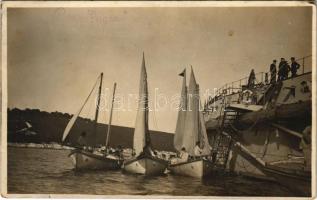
x=150, y=99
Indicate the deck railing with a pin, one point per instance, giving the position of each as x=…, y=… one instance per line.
x=236, y=86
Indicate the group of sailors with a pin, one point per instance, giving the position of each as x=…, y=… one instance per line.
x=282, y=73
x=82, y=144
x=118, y=151
x=283, y=70
x=183, y=156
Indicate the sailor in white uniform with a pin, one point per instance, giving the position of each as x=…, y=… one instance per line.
x=197, y=150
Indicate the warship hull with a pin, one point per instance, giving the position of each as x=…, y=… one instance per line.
x=272, y=131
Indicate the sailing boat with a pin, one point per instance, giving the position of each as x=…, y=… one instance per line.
x=144, y=161
x=87, y=158
x=191, y=129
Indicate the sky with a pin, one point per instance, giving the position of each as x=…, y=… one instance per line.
x=56, y=54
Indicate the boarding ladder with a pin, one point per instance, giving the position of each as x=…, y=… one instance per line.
x=223, y=141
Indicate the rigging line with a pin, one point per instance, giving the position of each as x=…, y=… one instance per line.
x=74, y=117
x=89, y=95
x=153, y=111
x=89, y=110
x=103, y=105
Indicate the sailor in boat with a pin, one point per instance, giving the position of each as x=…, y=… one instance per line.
x=197, y=150
x=119, y=152
x=82, y=143
x=82, y=140
x=182, y=157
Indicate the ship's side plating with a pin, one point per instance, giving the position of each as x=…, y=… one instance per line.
x=270, y=126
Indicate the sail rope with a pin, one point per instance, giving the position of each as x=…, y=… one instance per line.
x=74, y=117
x=154, y=119
x=153, y=111
x=93, y=91
x=90, y=103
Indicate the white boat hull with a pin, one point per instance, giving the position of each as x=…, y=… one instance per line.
x=147, y=166
x=197, y=168
x=86, y=160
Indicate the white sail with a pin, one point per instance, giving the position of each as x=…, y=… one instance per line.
x=141, y=132
x=71, y=124
x=73, y=119
x=178, y=137
x=193, y=125
x=190, y=134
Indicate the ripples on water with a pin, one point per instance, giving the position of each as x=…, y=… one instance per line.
x=47, y=171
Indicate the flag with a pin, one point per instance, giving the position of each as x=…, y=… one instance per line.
x=183, y=73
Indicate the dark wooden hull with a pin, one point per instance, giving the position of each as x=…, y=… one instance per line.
x=298, y=181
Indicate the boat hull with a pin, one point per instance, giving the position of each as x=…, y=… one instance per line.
x=197, y=168
x=85, y=160
x=146, y=165
x=299, y=181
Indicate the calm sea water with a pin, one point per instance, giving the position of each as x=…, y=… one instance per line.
x=47, y=171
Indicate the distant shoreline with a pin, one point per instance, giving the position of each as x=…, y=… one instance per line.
x=55, y=146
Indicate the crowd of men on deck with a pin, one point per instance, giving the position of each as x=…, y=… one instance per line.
x=281, y=73
x=283, y=69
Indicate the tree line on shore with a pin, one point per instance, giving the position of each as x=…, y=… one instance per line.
x=36, y=126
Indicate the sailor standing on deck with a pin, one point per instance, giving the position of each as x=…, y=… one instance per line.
x=294, y=67
x=283, y=69
x=273, y=72
x=280, y=69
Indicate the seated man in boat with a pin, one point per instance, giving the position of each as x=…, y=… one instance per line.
x=183, y=157
x=197, y=150
x=119, y=152
x=81, y=141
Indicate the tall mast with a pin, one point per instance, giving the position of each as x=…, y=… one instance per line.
x=110, y=118
x=97, y=109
